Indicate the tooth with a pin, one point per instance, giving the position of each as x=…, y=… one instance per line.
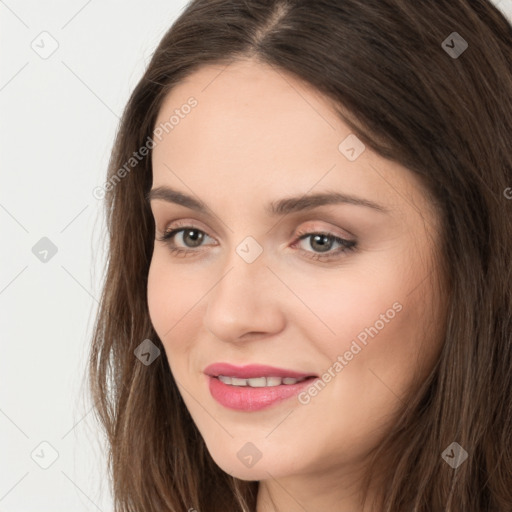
x=274, y=381
x=290, y=380
x=257, y=382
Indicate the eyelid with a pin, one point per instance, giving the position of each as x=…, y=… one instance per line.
x=347, y=244
x=312, y=227
x=185, y=223
x=306, y=229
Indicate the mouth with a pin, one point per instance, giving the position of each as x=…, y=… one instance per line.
x=254, y=387
x=255, y=373
x=259, y=382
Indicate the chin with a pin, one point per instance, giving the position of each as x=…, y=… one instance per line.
x=238, y=463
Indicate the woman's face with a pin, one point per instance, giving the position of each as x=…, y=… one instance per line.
x=270, y=274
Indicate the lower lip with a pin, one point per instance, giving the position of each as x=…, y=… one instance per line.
x=246, y=398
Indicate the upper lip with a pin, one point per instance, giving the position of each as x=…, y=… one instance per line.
x=251, y=371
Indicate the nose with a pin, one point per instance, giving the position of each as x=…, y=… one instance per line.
x=246, y=302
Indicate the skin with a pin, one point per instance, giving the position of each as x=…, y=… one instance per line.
x=259, y=135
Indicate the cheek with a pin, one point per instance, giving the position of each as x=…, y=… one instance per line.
x=168, y=297
x=370, y=366
x=371, y=329
x=383, y=297
x=158, y=300
x=176, y=304
x=350, y=305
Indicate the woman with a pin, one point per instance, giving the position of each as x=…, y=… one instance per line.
x=307, y=304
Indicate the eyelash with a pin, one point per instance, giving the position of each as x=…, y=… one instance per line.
x=346, y=245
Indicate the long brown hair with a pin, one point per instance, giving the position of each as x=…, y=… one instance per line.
x=390, y=67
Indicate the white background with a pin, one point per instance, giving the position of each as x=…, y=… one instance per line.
x=58, y=117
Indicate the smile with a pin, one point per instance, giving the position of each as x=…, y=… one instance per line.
x=259, y=382
x=254, y=387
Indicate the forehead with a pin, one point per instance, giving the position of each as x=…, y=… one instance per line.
x=249, y=105
x=260, y=131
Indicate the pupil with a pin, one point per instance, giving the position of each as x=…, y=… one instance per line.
x=196, y=240
x=324, y=245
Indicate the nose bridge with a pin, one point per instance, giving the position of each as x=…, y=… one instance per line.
x=246, y=267
x=244, y=274
x=242, y=300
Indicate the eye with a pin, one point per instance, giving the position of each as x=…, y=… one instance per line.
x=321, y=243
x=191, y=237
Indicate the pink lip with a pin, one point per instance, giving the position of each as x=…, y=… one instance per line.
x=246, y=398
x=252, y=370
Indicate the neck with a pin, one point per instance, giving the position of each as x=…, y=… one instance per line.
x=324, y=491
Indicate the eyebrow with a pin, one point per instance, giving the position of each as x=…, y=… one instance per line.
x=276, y=208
